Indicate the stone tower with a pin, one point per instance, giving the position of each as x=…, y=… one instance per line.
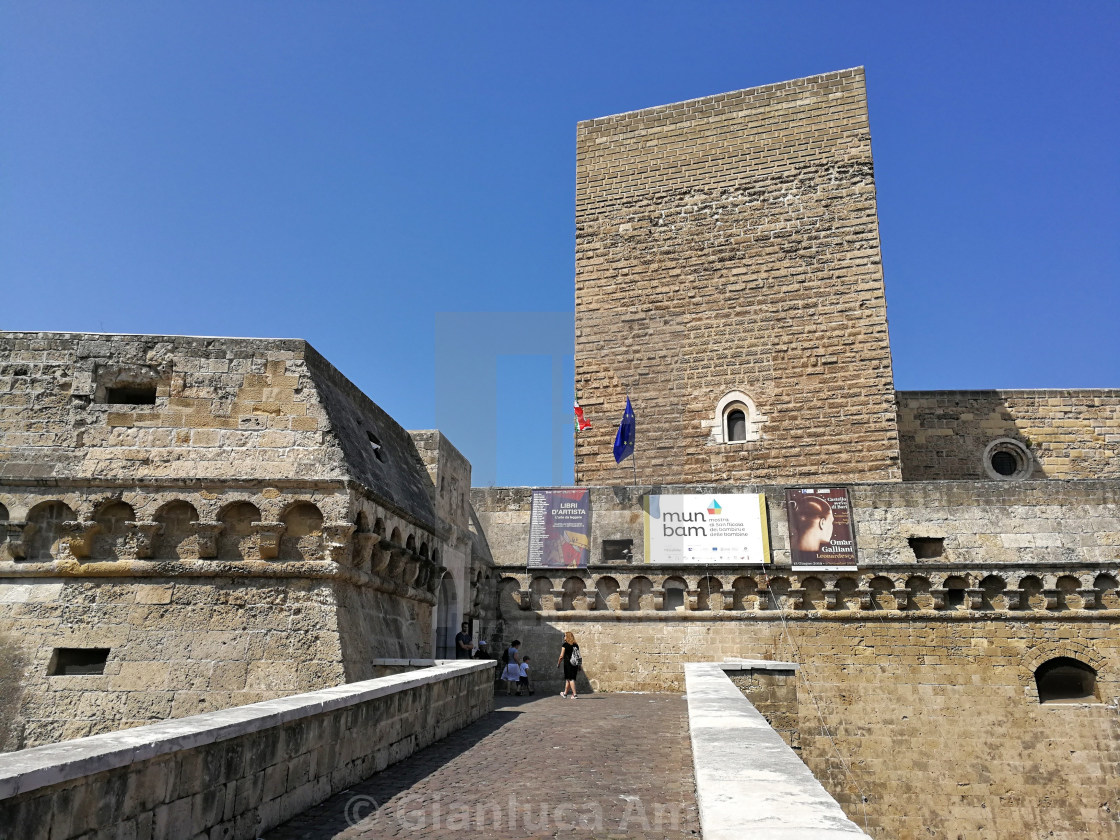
x=728, y=277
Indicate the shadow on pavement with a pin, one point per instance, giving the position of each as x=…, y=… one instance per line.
x=361, y=801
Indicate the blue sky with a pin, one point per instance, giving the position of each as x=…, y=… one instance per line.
x=344, y=171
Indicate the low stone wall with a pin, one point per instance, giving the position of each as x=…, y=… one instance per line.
x=749, y=783
x=233, y=774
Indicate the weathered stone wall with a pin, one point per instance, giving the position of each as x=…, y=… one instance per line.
x=980, y=524
x=731, y=244
x=775, y=697
x=232, y=518
x=920, y=665
x=223, y=409
x=934, y=719
x=234, y=774
x=1069, y=433
x=13, y=664
x=205, y=600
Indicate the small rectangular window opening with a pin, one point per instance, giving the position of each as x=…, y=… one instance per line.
x=674, y=599
x=70, y=662
x=131, y=395
x=618, y=551
x=927, y=548
x=954, y=598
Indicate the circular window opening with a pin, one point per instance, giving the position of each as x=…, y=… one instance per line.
x=1007, y=459
x=1004, y=463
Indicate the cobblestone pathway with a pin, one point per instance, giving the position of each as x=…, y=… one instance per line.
x=602, y=766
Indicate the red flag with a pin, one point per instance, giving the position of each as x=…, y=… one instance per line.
x=581, y=422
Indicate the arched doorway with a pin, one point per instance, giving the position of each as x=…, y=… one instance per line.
x=447, y=616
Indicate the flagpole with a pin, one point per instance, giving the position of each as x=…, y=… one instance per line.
x=634, y=454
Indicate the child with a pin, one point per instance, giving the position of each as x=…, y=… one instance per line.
x=523, y=683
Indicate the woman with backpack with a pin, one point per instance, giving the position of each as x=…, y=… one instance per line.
x=571, y=659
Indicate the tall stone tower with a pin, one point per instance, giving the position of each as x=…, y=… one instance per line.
x=728, y=278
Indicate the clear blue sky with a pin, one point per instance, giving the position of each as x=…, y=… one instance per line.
x=343, y=171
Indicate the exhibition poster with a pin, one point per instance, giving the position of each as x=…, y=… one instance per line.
x=560, y=528
x=705, y=529
x=821, y=532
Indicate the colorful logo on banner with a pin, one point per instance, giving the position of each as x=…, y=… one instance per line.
x=821, y=532
x=560, y=529
x=705, y=530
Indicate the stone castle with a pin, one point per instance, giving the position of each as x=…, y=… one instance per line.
x=196, y=523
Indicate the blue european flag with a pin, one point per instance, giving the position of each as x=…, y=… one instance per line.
x=624, y=440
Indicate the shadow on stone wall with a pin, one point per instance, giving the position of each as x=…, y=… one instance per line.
x=943, y=435
x=13, y=665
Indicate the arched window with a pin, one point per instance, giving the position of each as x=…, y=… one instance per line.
x=736, y=425
x=736, y=420
x=1065, y=680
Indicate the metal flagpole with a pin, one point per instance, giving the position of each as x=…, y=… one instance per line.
x=634, y=454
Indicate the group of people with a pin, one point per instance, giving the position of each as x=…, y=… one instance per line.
x=514, y=667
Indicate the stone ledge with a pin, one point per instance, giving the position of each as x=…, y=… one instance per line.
x=38, y=767
x=752, y=784
x=734, y=664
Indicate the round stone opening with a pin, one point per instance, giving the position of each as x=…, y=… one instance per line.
x=1004, y=463
x=1007, y=459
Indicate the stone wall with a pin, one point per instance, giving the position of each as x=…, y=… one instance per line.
x=748, y=782
x=205, y=600
x=773, y=692
x=730, y=244
x=231, y=519
x=916, y=687
x=964, y=523
x=131, y=408
x=238, y=773
x=1068, y=433
x=934, y=718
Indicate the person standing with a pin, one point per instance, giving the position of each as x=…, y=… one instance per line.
x=464, y=642
x=512, y=672
x=571, y=659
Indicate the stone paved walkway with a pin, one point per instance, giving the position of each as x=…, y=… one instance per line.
x=602, y=766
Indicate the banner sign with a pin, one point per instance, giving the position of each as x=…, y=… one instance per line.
x=821, y=533
x=560, y=528
x=725, y=528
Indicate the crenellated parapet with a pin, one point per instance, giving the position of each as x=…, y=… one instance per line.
x=296, y=532
x=667, y=592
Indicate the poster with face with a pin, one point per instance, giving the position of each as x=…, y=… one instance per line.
x=560, y=528
x=821, y=533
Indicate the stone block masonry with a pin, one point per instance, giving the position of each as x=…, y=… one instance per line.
x=236, y=773
x=916, y=702
x=748, y=782
x=217, y=521
x=730, y=244
x=1070, y=434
